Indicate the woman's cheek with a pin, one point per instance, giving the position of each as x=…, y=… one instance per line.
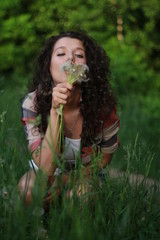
x=58, y=77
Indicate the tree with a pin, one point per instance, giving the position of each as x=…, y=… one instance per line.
x=25, y=25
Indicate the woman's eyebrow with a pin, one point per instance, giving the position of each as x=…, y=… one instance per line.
x=78, y=48
x=59, y=48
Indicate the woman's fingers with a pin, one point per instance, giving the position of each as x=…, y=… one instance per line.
x=61, y=92
x=59, y=98
x=64, y=85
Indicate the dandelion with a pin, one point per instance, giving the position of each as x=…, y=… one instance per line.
x=38, y=211
x=76, y=73
x=4, y=193
x=41, y=233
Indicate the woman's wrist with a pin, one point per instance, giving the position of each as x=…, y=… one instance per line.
x=53, y=111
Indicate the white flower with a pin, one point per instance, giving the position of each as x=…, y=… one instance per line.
x=76, y=73
x=38, y=211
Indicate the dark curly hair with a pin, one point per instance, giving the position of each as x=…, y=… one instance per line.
x=97, y=97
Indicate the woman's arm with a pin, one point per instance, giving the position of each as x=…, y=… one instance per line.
x=106, y=159
x=44, y=157
x=49, y=150
x=90, y=168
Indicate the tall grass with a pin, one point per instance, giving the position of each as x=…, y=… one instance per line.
x=118, y=210
x=139, y=116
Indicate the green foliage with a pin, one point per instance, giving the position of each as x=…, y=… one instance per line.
x=141, y=21
x=139, y=115
x=129, y=69
x=26, y=24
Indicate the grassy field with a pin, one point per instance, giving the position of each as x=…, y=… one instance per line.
x=117, y=211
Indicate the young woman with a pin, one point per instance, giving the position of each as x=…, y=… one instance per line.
x=89, y=113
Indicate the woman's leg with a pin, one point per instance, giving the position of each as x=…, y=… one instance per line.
x=55, y=185
x=26, y=185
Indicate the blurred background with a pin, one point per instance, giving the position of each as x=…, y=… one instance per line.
x=129, y=32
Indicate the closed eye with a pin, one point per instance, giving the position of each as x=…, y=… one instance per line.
x=60, y=54
x=79, y=56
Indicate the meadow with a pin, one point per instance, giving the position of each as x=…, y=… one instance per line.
x=119, y=210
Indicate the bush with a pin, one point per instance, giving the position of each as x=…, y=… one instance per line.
x=130, y=72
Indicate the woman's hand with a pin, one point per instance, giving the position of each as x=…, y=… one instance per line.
x=60, y=95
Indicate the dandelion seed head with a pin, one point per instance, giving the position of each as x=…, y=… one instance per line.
x=75, y=72
x=4, y=193
x=41, y=233
x=37, y=211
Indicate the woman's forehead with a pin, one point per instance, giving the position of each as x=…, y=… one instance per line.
x=69, y=42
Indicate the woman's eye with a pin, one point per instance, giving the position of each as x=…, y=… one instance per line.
x=79, y=56
x=60, y=54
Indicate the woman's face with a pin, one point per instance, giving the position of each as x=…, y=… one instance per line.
x=66, y=49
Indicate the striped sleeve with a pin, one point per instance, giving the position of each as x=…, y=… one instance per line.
x=110, y=142
x=29, y=120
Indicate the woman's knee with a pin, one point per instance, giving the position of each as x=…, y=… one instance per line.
x=25, y=186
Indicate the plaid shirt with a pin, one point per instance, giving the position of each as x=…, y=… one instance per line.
x=106, y=140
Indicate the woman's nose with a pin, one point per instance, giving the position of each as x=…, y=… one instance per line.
x=70, y=58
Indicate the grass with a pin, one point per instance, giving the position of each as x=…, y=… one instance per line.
x=139, y=118
x=117, y=211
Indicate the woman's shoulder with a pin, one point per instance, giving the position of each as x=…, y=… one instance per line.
x=29, y=101
x=110, y=117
